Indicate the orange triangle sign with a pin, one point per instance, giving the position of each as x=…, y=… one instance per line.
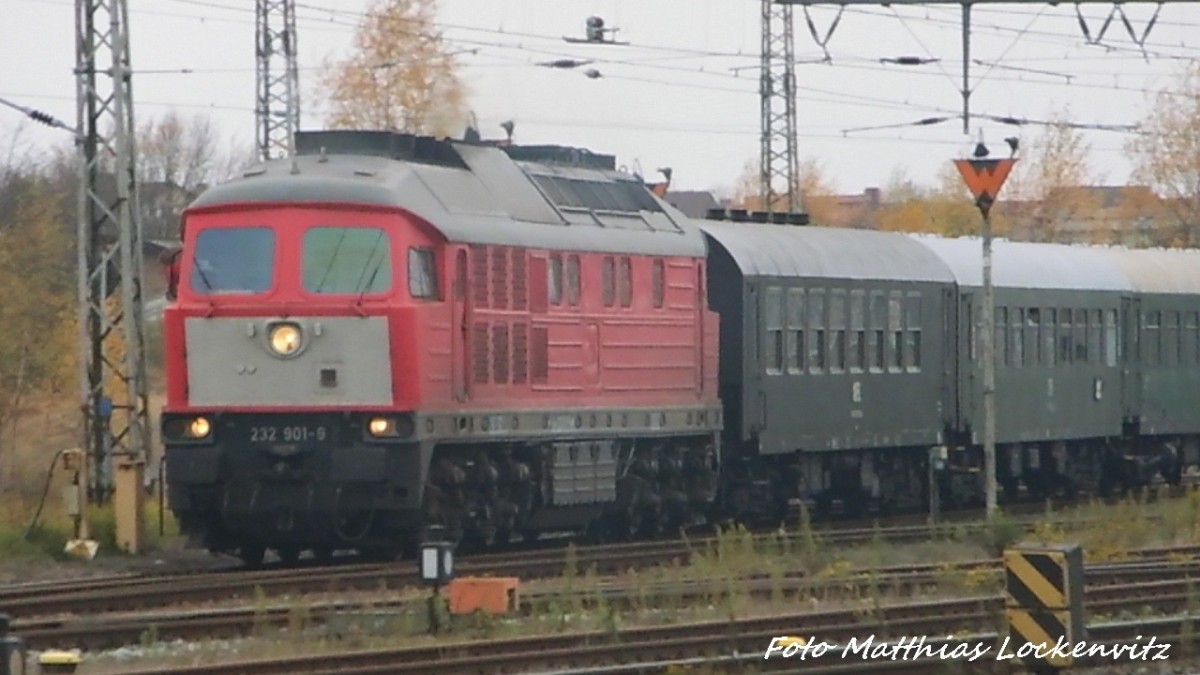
x=984, y=177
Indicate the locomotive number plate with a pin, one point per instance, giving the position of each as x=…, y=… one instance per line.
x=288, y=433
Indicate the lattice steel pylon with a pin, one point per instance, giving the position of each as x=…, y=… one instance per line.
x=778, y=161
x=112, y=363
x=277, y=105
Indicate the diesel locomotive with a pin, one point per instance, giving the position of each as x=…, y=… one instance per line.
x=386, y=332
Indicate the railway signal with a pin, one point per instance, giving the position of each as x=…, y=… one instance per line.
x=984, y=177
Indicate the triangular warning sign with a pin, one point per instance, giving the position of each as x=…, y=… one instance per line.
x=984, y=177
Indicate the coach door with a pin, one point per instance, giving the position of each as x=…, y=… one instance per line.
x=965, y=358
x=1131, y=361
x=460, y=354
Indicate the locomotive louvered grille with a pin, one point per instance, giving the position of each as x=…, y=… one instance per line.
x=500, y=353
x=539, y=299
x=479, y=278
x=539, y=355
x=520, y=353
x=479, y=352
x=519, y=288
x=500, y=278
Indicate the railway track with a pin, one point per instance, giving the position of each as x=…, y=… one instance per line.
x=134, y=593
x=393, y=613
x=716, y=641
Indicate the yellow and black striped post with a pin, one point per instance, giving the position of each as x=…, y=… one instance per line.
x=1043, y=590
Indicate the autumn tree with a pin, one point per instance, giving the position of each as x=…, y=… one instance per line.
x=812, y=184
x=1166, y=156
x=401, y=75
x=37, y=334
x=946, y=209
x=1049, y=193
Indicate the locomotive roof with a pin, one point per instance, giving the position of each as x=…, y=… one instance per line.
x=474, y=193
x=1158, y=270
x=762, y=250
x=1028, y=265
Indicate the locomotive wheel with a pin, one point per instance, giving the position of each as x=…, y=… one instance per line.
x=252, y=554
x=323, y=554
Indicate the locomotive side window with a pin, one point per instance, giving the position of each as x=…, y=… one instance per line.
x=795, y=322
x=347, y=260
x=1095, y=337
x=625, y=283
x=233, y=260
x=608, y=272
x=422, y=275
x=573, y=281
x=555, y=279
x=1193, y=337
x=659, y=282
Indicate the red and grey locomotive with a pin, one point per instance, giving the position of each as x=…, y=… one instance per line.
x=386, y=332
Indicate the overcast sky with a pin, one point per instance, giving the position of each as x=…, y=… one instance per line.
x=683, y=94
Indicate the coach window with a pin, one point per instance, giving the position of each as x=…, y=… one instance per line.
x=608, y=272
x=1018, y=337
x=837, y=330
x=878, y=319
x=773, y=308
x=1064, y=336
x=233, y=260
x=1110, y=337
x=554, y=279
x=573, y=281
x=1049, y=346
x=1003, y=356
x=912, y=334
x=858, y=331
x=422, y=276
x=659, y=284
x=1151, y=338
x=816, y=330
x=795, y=327
x=1080, y=336
x=356, y=260
x=896, y=330
x=1170, y=338
x=1192, y=343
x=625, y=283
x=1033, y=323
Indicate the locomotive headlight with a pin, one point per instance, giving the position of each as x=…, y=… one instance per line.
x=285, y=339
x=199, y=428
x=381, y=426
